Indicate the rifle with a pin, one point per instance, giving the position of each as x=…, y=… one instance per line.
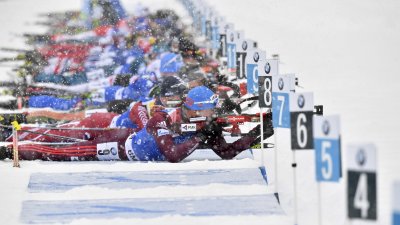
x=38, y=38
x=62, y=15
x=7, y=49
x=7, y=59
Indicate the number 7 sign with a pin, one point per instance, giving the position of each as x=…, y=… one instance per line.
x=280, y=102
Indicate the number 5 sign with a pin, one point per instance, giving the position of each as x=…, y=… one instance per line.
x=361, y=182
x=301, y=120
x=327, y=148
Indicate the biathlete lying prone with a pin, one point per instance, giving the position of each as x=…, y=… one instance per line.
x=160, y=138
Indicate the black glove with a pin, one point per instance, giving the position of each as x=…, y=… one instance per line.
x=228, y=106
x=268, y=129
x=5, y=153
x=255, y=132
x=203, y=140
x=202, y=137
x=212, y=129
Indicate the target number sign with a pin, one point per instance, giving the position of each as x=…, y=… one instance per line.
x=231, y=49
x=267, y=70
x=361, y=182
x=255, y=57
x=280, y=102
x=301, y=120
x=327, y=148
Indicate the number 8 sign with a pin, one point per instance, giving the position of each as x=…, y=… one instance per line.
x=327, y=148
x=267, y=70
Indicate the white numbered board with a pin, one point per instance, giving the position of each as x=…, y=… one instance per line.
x=267, y=70
x=242, y=48
x=231, y=48
x=255, y=58
x=301, y=120
x=280, y=102
x=209, y=18
x=215, y=33
x=245, y=55
x=223, y=29
x=361, y=182
x=203, y=19
x=327, y=148
x=108, y=151
x=197, y=21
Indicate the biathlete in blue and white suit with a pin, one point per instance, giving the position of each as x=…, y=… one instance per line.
x=173, y=138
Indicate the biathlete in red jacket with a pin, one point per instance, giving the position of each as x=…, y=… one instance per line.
x=173, y=138
x=101, y=136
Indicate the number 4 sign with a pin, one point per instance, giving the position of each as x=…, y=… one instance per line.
x=327, y=148
x=361, y=182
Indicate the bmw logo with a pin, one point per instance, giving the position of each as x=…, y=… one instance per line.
x=113, y=151
x=256, y=57
x=280, y=84
x=326, y=127
x=361, y=157
x=244, y=45
x=267, y=68
x=301, y=101
x=232, y=37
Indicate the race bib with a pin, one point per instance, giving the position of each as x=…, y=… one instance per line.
x=107, y=151
x=118, y=94
x=129, y=149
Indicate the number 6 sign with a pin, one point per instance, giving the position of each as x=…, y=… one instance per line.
x=301, y=120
